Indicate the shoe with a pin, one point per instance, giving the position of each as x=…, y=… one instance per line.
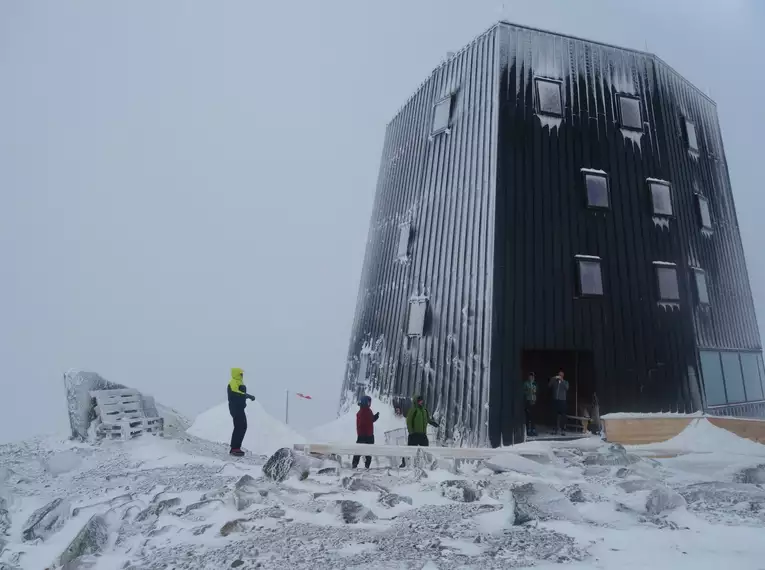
x=237, y=452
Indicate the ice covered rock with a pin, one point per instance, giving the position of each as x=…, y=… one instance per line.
x=613, y=454
x=46, y=520
x=247, y=493
x=62, y=462
x=392, y=500
x=284, y=462
x=232, y=527
x=661, y=500
x=5, y=517
x=575, y=494
x=89, y=541
x=353, y=512
x=157, y=509
x=360, y=484
x=459, y=490
x=751, y=475
x=329, y=471
x=536, y=501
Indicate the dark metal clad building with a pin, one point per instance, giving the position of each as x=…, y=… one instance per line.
x=547, y=203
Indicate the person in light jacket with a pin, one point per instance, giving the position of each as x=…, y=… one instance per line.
x=559, y=386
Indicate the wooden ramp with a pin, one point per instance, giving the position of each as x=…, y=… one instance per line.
x=641, y=430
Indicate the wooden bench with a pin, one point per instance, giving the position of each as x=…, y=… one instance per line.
x=122, y=414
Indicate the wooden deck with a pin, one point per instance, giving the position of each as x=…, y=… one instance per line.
x=644, y=430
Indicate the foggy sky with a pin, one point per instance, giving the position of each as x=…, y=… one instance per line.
x=186, y=186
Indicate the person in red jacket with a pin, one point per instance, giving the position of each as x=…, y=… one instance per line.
x=365, y=428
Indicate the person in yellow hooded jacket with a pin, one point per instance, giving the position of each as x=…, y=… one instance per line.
x=237, y=402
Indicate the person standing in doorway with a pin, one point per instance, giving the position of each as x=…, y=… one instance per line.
x=365, y=428
x=237, y=402
x=559, y=386
x=529, y=401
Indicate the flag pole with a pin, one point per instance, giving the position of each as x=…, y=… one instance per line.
x=287, y=409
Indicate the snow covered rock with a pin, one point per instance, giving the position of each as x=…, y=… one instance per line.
x=360, y=484
x=232, y=527
x=661, y=500
x=247, y=493
x=353, y=512
x=614, y=454
x=284, y=462
x=62, y=462
x=46, y=520
x=536, y=501
x=459, y=490
x=157, y=509
x=393, y=500
x=89, y=541
x=751, y=475
x=329, y=471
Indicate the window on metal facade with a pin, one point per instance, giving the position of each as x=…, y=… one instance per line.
x=702, y=293
x=714, y=382
x=549, y=100
x=734, y=380
x=418, y=308
x=404, y=233
x=590, y=276
x=661, y=198
x=705, y=218
x=752, y=381
x=690, y=136
x=631, y=114
x=596, y=184
x=441, y=116
x=666, y=276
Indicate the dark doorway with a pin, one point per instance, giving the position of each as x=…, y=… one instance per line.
x=579, y=369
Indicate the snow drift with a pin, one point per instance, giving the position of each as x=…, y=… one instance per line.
x=265, y=434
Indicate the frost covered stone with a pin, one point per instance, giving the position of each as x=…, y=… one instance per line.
x=157, y=509
x=614, y=454
x=461, y=491
x=752, y=475
x=282, y=463
x=535, y=501
x=392, y=500
x=232, y=526
x=62, y=462
x=46, y=520
x=358, y=484
x=89, y=541
x=353, y=512
x=329, y=471
x=661, y=500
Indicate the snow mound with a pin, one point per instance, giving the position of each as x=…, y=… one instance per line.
x=702, y=437
x=343, y=429
x=265, y=434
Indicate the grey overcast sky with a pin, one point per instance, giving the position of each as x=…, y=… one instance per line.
x=185, y=186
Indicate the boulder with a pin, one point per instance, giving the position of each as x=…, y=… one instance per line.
x=751, y=475
x=329, y=471
x=536, y=501
x=89, y=541
x=574, y=494
x=662, y=500
x=613, y=455
x=5, y=517
x=459, y=490
x=46, y=520
x=360, y=484
x=232, y=526
x=158, y=508
x=283, y=463
x=353, y=512
x=393, y=500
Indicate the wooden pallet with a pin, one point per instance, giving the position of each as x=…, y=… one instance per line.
x=121, y=414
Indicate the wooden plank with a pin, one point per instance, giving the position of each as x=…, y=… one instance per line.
x=639, y=431
x=748, y=428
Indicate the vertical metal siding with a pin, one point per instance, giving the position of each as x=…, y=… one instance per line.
x=446, y=186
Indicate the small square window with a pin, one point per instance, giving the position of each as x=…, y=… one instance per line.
x=549, y=101
x=705, y=218
x=631, y=115
x=404, y=233
x=690, y=136
x=441, y=116
x=702, y=293
x=666, y=276
x=596, y=184
x=590, y=276
x=661, y=197
x=418, y=308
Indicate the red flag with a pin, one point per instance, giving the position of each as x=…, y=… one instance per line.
x=304, y=396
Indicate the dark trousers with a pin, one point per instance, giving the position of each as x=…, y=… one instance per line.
x=240, y=427
x=528, y=409
x=416, y=440
x=370, y=439
x=560, y=414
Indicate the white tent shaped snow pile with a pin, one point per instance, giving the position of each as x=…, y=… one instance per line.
x=265, y=434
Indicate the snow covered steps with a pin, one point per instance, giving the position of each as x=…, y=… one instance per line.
x=125, y=414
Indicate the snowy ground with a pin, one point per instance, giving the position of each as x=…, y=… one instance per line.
x=182, y=503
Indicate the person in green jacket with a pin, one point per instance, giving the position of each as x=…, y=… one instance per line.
x=417, y=421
